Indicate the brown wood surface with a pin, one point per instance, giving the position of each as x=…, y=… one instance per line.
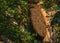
x=38, y=20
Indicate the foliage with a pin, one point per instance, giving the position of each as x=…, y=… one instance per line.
x=11, y=20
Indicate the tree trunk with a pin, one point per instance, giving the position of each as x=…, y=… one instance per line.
x=39, y=21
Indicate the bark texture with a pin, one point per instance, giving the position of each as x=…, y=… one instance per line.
x=39, y=21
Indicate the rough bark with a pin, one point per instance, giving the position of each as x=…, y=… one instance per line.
x=39, y=21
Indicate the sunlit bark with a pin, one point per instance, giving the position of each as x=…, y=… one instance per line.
x=39, y=21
